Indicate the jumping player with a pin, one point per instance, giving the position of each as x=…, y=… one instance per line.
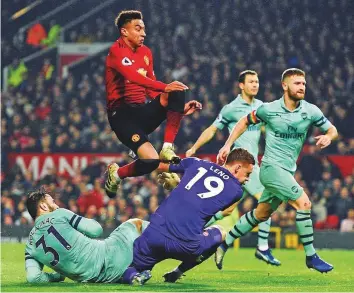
x=130, y=79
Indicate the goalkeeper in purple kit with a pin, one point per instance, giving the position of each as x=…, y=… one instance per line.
x=176, y=229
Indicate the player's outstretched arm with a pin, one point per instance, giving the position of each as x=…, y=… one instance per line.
x=237, y=131
x=34, y=273
x=177, y=168
x=204, y=138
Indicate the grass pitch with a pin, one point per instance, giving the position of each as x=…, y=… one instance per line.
x=242, y=272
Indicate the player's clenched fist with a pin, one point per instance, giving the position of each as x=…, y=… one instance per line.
x=169, y=181
x=175, y=86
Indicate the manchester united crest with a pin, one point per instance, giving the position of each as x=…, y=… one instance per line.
x=146, y=59
x=135, y=137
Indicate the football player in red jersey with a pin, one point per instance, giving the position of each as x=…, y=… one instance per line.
x=130, y=79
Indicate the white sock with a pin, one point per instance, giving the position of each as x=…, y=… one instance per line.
x=167, y=144
x=263, y=247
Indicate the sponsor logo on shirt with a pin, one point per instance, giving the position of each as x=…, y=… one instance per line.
x=291, y=134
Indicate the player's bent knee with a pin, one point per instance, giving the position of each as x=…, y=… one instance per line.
x=223, y=234
x=147, y=152
x=302, y=203
x=262, y=217
x=176, y=101
x=263, y=212
x=221, y=230
x=305, y=205
x=308, y=205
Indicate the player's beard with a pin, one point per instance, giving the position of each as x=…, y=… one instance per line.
x=293, y=96
x=52, y=208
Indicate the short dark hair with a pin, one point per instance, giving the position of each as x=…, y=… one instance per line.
x=291, y=72
x=242, y=75
x=126, y=16
x=33, y=200
x=240, y=155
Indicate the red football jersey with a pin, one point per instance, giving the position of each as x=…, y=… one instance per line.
x=130, y=75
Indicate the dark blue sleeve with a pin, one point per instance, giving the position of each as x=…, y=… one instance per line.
x=183, y=165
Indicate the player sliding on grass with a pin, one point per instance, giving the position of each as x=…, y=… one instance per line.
x=65, y=242
x=176, y=229
x=228, y=117
x=130, y=79
x=287, y=122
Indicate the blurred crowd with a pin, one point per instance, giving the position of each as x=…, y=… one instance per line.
x=204, y=46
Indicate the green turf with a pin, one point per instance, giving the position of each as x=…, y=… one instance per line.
x=242, y=272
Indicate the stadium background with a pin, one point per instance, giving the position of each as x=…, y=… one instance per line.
x=54, y=129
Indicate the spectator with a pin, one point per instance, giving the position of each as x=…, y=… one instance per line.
x=44, y=109
x=347, y=225
x=343, y=203
x=36, y=34
x=47, y=69
x=53, y=35
x=90, y=197
x=324, y=183
x=319, y=208
x=330, y=201
x=336, y=187
x=17, y=73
